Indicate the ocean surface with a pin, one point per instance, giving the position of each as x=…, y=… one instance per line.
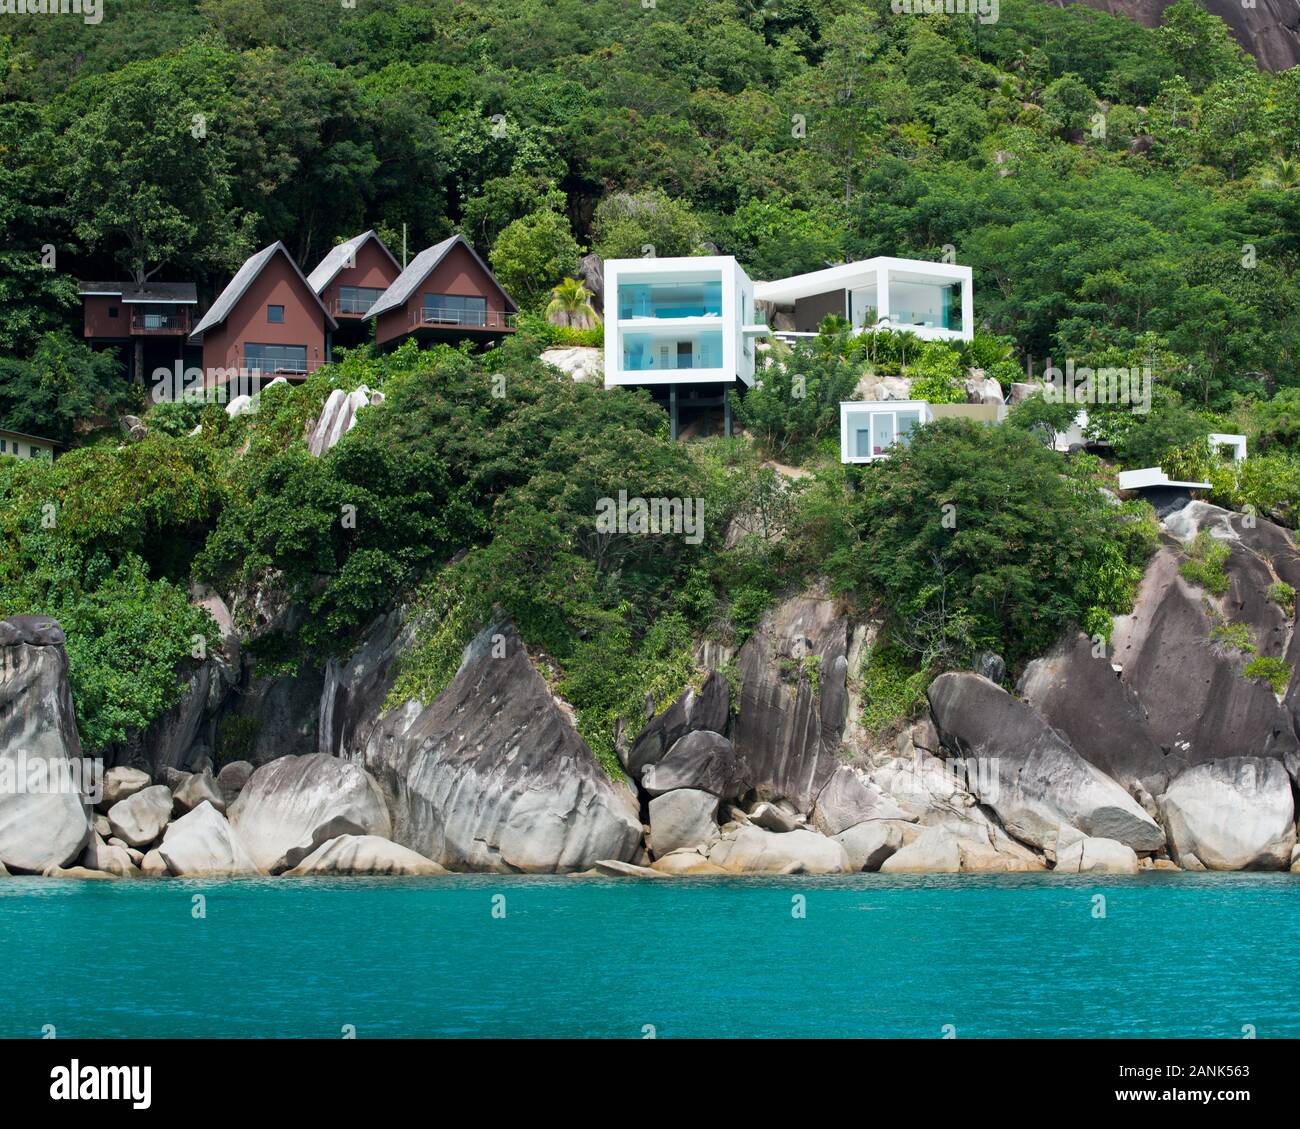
x=1022, y=956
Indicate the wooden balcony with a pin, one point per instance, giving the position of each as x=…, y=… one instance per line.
x=491, y=321
x=146, y=323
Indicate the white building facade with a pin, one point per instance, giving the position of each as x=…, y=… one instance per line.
x=935, y=301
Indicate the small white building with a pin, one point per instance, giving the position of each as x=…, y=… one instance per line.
x=17, y=444
x=682, y=325
x=870, y=428
x=935, y=301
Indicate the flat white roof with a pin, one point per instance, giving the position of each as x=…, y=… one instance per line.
x=849, y=276
x=1153, y=476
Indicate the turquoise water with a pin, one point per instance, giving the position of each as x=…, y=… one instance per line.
x=1020, y=956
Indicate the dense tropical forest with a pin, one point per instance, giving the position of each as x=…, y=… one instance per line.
x=1126, y=196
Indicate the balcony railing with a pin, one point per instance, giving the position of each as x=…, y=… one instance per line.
x=352, y=307
x=278, y=366
x=145, y=322
x=462, y=319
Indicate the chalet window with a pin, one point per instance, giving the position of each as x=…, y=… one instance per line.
x=455, y=309
x=112, y=311
x=275, y=314
x=3, y=446
x=275, y=358
x=357, y=299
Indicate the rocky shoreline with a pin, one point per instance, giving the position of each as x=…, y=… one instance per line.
x=1155, y=753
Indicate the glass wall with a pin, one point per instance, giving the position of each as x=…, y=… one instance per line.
x=933, y=305
x=670, y=299
x=652, y=352
x=873, y=431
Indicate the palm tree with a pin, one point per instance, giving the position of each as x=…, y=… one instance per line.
x=571, y=306
x=1282, y=173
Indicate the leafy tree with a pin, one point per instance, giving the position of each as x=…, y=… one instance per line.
x=625, y=224
x=977, y=536
x=63, y=383
x=532, y=253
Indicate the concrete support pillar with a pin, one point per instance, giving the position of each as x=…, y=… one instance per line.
x=672, y=409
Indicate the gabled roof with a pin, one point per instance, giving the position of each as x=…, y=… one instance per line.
x=342, y=254
x=23, y=435
x=421, y=267
x=179, y=293
x=244, y=278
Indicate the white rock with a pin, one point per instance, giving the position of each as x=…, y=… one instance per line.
x=140, y=819
x=933, y=851
x=202, y=844
x=292, y=805
x=121, y=783
x=1097, y=856
x=869, y=844
x=1231, y=814
x=363, y=855
x=684, y=817
x=751, y=850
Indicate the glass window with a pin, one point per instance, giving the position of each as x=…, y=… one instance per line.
x=357, y=299
x=275, y=314
x=647, y=351
x=455, y=309
x=907, y=421
x=670, y=299
x=112, y=311
x=275, y=358
x=862, y=444
x=882, y=432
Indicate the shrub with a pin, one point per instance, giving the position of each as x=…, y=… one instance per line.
x=892, y=689
x=937, y=375
x=977, y=536
x=1206, y=556
x=1282, y=594
x=1273, y=671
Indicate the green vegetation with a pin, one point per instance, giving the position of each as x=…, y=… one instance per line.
x=892, y=689
x=1273, y=671
x=978, y=537
x=1206, y=556
x=1283, y=595
x=1126, y=197
x=1234, y=636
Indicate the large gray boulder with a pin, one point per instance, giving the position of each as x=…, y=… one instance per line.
x=232, y=778
x=352, y=697
x=848, y=799
x=868, y=845
x=283, y=714
x=363, y=855
x=704, y=708
x=202, y=844
x=686, y=817
x=120, y=783
x=47, y=825
x=1096, y=856
x=140, y=819
x=1024, y=770
x=291, y=806
x=492, y=774
x=793, y=700
x=1198, y=704
x=935, y=850
x=109, y=858
x=196, y=789
x=1078, y=693
x=702, y=759
x=751, y=850
x=1231, y=814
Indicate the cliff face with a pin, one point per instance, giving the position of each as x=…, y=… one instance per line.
x=1270, y=30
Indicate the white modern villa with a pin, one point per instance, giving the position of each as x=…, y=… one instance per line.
x=682, y=325
x=935, y=301
x=688, y=328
